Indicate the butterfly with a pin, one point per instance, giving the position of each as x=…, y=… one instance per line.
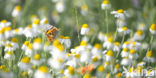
x=51, y=33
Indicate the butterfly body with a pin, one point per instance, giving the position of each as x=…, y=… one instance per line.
x=51, y=33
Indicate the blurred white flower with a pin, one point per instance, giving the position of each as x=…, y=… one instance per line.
x=105, y=5
x=84, y=10
x=9, y=56
x=120, y=14
x=60, y=7
x=124, y=30
x=16, y=11
x=126, y=61
x=153, y=29
x=24, y=64
x=84, y=29
x=37, y=44
x=42, y=72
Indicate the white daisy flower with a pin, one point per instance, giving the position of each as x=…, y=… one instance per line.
x=84, y=29
x=28, y=32
x=9, y=56
x=16, y=11
x=149, y=57
x=67, y=42
x=97, y=50
x=101, y=36
x=120, y=22
x=139, y=35
x=133, y=54
x=25, y=45
x=141, y=26
x=4, y=23
x=124, y=30
x=105, y=5
x=116, y=47
x=124, y=52
x=84, y=10
x=56, y=63
x=37, y=44
x=24, y=64
x=60, y=7
x=29, y=51
x=37, y=60
x=109, y=43
x=120, y=14
x=9, y=47
x=153, y=29
x=126, y=61
x=109, y=55
x=69, y=72
x=18, y=31
x=42, y=72
x=7, y=32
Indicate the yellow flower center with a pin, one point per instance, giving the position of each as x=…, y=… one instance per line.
x=26, y=43
x=117, y=66
x=116, y=43
x=46, y=21
x=61, y=71
x=131, y=69
x=105, y=2
x=29, y=26
x=139, y=32
x=37, y=21
x=83, y=43
x=67, y=37
x=153, y=27
x=34, y=67
x=18, y=8
x=132, y=51
x=68, y=54
x=3, y=21
x=25, y=60
x=125, y=50
x=85, y=26
x=95, y=59
x=47, y=43
x=100, y=68
x=87, y=76
x=149, y=54
x=37, y=57
x=84, y=7
x=108, y=75
x=37, y=40
x=118, y=75
x=9, y=45
x=16, y=30
x=77, y=55
x=126, y=42
x=30, y=46
x=9, y=53
x=109, y=53
x=71, y=70
x=98, y=46
x=8, y=28
x=24, y=73
x=60, y=47
x=43, y=69
x=14, y=40
x=124, y=28
x=120, y=11
x=110, y=40
x=61, y=36
x=60, y=60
